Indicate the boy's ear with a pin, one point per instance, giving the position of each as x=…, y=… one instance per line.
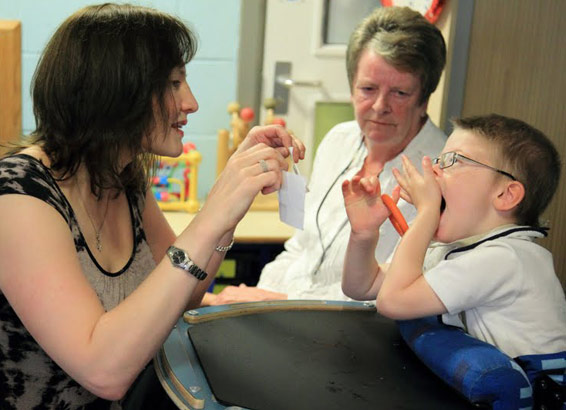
x=510, y=195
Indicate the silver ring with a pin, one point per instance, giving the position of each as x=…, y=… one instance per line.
x=263, y=165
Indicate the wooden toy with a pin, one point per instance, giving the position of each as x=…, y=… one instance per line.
x=240, y=122
x=269, y=105
x=228, y=141
x=176, y=182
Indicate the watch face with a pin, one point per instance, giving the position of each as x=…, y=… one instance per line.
x=178, y=256
x=181, y=260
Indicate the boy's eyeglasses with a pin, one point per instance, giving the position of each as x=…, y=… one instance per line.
x=448, y=159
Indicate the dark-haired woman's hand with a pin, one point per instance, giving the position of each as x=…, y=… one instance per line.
x=274, y=136
x=248, y=172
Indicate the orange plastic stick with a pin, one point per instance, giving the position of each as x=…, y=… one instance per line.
x=396, y=217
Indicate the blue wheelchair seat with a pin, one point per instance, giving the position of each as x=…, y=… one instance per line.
x=484, y=374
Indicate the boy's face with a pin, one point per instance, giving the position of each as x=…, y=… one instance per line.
x=468, y=189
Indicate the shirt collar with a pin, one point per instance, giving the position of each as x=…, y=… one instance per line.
x=511, y=231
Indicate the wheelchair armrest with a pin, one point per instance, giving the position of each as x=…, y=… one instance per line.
x=547, y=373
x=478, y=370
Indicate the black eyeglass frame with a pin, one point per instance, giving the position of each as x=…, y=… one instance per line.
x=453, y=156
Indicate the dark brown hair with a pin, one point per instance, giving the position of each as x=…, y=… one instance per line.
x=93, y=89
x=406, y=40
x=526, y=153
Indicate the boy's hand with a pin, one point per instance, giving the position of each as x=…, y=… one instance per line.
x=423, y=190
x=364, y=207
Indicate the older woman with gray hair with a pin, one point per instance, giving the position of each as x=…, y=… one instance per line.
x=394, y=61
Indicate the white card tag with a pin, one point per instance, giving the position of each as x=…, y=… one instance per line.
x=292, y=199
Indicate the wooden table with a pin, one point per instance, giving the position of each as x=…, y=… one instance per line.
x=255, y=227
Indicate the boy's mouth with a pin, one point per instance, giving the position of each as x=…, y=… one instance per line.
x=442, y=205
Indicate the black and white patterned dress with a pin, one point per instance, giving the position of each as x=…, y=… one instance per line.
x=29, y=379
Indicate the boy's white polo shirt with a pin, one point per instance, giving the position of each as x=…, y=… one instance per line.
x=504, y=289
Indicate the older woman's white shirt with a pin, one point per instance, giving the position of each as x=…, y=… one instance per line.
x=297, y=271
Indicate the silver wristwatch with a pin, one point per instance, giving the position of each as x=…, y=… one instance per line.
x=180, y=259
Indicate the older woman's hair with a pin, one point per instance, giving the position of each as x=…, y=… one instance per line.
x=406, y=40
x=94, y=87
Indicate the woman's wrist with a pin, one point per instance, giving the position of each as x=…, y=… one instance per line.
x=200, y=238
x=206, y=222
x=226, y=242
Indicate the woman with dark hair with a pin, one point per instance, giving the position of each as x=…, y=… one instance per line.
x=92, y=278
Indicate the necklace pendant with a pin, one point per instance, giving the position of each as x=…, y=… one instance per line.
x=98, y=243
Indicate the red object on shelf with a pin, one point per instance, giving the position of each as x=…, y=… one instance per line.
x=188, y=146
x=279, y=121
x=430, y=9
x=247, y=114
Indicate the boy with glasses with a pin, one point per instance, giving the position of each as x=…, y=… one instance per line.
x=480, y=202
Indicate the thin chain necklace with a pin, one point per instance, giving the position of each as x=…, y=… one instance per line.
x=97, y=232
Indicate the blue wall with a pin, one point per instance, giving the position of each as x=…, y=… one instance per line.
x=212, y=74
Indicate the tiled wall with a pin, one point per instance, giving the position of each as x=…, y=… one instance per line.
x=212, y=74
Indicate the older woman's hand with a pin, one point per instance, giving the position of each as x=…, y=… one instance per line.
x=274, y=136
